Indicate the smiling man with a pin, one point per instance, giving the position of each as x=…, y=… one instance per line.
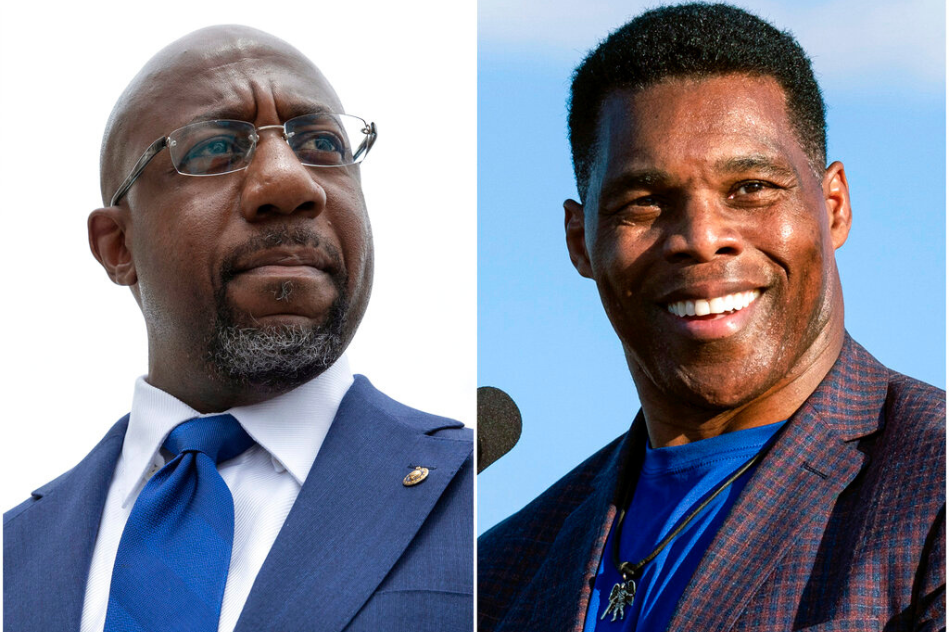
x=256, y=484
x=777, y=477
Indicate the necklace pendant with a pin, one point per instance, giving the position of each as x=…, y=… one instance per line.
x=620, y=597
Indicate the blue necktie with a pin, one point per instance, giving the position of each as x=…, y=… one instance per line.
x=173, y=557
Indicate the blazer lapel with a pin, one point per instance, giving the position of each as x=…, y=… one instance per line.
x=811, y=463
x=559, y=593
x=354, y=516
x=48, y=542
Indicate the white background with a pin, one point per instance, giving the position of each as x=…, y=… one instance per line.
x=74, y=343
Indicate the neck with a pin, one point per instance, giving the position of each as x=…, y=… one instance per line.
x=206, y=394
x=253, y=374
x=671, y=421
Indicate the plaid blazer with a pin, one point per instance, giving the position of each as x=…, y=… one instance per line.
x=842, y=526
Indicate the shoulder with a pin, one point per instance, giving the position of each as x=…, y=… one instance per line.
x=365, y=394
x=97, y=464
x=919, y=405
x=892, y=415
x=560, y=498
x=10, y=515
x=530, y=532
x=898, y=423
x=898, y=503
x=548, y=531
x=912, y=427
x=912, y=439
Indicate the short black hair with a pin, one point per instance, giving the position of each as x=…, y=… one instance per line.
x=693, y=40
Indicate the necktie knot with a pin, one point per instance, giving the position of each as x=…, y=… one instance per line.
x=221, y=437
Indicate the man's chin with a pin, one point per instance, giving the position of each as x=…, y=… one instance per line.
x=277, y=357
x=275, y=352
x=713, y=389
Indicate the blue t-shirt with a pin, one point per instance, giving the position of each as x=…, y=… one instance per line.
x=673, y=481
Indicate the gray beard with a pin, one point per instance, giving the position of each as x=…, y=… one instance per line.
x=275, y=358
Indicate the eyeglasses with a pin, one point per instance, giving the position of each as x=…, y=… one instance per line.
x=213, y=148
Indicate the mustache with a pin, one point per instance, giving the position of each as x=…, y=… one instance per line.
x=275, y=238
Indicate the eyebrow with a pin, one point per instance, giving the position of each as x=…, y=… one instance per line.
x=655, y=178
x=639, y=179
x=760, y=163
x=299, y=109
x=226, y=112
x=240, y=113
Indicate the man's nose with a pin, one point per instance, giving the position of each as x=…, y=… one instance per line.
x=277, y=183
x=702, y=230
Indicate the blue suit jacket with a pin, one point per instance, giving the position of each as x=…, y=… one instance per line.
x=841, y=527
x=359, y=550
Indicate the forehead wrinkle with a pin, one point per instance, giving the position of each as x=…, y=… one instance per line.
x=243, y=100
x=291, y=102
x=715, y=119
x=745, y=151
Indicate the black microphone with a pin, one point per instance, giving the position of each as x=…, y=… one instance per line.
x=499, y=425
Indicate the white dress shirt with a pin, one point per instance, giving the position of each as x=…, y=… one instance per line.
x=264, y=481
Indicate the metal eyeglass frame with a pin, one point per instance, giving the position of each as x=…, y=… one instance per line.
x=156, y=147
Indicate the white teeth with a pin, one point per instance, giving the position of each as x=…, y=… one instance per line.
x=718, y=305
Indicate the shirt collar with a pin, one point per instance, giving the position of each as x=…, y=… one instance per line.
x=290, y=427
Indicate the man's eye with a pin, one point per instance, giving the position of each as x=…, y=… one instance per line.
x=646, y=200
x=213, y=147
x=323, y=142
x=635, y=208
x=749, y=188
x=319, y=148
x=218, y=154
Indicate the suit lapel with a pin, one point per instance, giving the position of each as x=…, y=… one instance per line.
x=811, y=463
x=559, y=593
x=48, y=544
x=567, y=572
x=354, y=517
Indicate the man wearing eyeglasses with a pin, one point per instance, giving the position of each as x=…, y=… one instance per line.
x=256, y=484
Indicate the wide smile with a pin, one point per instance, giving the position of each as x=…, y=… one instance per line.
x=713, y=317
x=713, y=306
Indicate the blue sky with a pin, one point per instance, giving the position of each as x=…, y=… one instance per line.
x=542, y=334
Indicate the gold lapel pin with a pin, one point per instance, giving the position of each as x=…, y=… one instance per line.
x=416, y=476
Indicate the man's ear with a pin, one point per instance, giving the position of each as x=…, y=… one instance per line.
x=837, y=201
x=109, y=236
x=576, y=237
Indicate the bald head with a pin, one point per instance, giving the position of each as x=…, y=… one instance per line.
x=155, y=94
x=225, y=325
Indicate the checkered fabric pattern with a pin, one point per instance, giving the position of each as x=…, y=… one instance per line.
x=842, y=527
